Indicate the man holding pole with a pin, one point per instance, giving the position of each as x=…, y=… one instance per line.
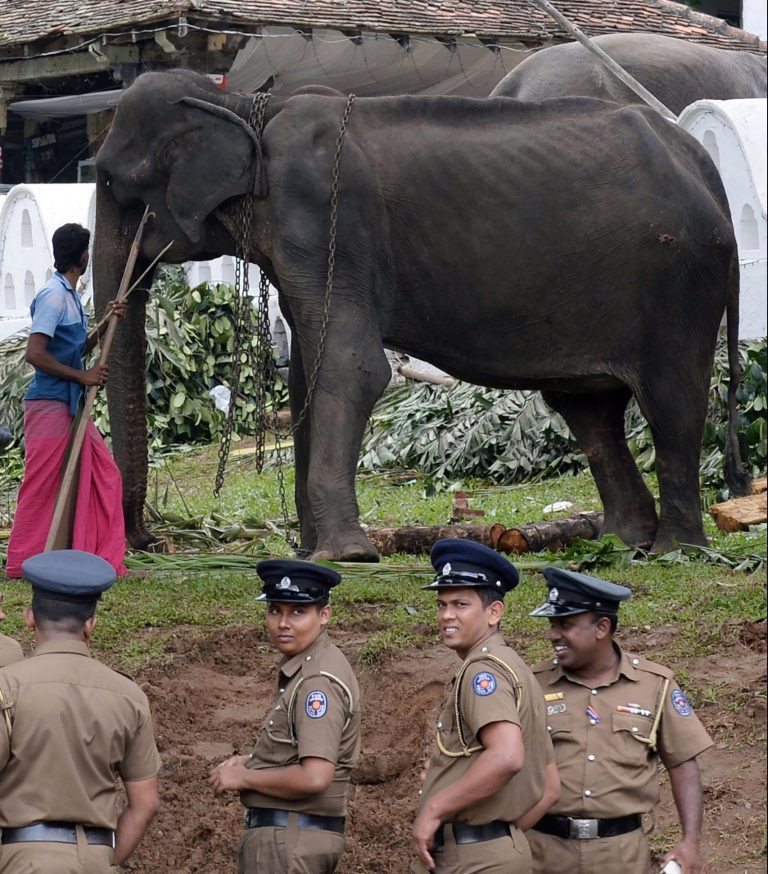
x=58, y=340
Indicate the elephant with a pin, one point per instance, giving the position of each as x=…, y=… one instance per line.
x=571, y=246
x=676, y=71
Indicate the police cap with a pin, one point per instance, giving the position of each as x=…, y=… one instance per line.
x=465, y=564
x=69, y=574
x=571, y=593
x=293, y=581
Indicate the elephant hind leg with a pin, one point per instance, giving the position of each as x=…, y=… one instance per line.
x=597, y=423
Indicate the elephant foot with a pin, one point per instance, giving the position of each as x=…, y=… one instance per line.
x=140, y=538
x=669, y=540
x=640, y=532
x=356, y=548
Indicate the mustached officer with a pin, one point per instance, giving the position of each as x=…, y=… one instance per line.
x=70, y=726
x=294, y=784
x=491, y=762
x=612, y=716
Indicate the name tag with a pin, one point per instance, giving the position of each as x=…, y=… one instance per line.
x=554, y=696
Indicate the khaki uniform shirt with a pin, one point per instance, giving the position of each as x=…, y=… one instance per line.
x=606, y=770
x=315, y=716
x=77, y=726
x=487, y=695
x=10, y=651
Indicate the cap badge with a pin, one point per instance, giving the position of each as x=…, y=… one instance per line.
x=553, y=595
x=446, y=569
x=284, y=584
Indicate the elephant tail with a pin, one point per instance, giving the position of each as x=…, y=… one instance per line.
x=736, y=473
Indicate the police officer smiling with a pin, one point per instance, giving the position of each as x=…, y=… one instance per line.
x=612, y=717
x=493, y=754
x=294, y=783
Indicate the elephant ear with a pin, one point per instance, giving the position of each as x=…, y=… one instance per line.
x=214, y=159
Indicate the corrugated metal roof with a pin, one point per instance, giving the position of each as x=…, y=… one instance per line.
x=23, y=21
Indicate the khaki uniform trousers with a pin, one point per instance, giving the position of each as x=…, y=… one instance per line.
x=40, y=857
x=508, y=855
x=290, y=850
x=622, y=854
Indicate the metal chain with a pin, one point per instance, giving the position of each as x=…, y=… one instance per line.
x=260, y=354
x=243, y=311
x=335, y=185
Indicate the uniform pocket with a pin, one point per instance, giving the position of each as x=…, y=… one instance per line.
x=630, y=733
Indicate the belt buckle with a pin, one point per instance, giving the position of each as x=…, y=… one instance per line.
x=584, y=829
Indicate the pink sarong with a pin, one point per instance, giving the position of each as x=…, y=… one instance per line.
x=98, y=525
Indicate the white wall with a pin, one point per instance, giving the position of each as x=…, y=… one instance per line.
x=753, y=17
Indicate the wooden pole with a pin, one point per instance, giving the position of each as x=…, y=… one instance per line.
x=60, y=532
x=616, y=69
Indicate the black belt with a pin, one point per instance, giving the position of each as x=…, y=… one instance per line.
x=57, y=833
x=259, y=817
x=473, y=834
x=587, y=829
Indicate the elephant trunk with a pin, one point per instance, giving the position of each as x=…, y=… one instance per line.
x=126, y=391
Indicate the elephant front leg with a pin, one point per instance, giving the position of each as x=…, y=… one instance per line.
x=297, y=391
x=353, y=373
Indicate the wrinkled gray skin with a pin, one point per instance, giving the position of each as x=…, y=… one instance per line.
x=575, y=247
x=676, y=71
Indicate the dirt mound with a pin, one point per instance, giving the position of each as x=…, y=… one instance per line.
x=211, y=693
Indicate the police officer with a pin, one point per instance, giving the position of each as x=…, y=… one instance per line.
x=10, y=649
x=70, y=725
x=294, y=784
x=492, y=747
x=612, y=716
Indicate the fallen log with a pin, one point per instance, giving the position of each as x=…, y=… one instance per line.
x=419, y=539
x=738, y=514
x=551, y=535
x=539, y=536
x=759, y=486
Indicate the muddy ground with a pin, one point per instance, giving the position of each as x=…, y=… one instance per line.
x=210, y=697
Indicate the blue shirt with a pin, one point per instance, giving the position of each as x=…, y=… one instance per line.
x=58, y=313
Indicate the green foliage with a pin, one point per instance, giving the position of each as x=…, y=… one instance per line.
x=190, y=344
x=512, y=436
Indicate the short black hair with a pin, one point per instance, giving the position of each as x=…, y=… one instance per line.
x=69, y=243
x=489, y=596
x=66, y=614
x=612, y=616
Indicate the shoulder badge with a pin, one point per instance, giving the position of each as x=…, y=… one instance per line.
x=316, y=705
x=484, y=683
x=680, y=703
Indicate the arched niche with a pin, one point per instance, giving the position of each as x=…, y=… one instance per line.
x=748, y=235
x=27, y=240
x=29, y=286
x=9, y=292
x=710, y=144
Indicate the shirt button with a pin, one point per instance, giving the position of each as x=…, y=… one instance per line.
x=635, y=662
x=634, y=728
x=591, y=757
x=308, y=659
x=555, y=661
x=278, y=707
x=484, y=649
x=549, y=728
x=439, y=724
x=587, y=791
x=281, y=691
x=593, y=722
x=271, y=722
x=594, y=691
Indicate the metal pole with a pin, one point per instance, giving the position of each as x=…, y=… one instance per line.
x=616, y=69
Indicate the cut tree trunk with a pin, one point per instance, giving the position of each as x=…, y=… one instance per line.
x=552, y=535
x=740, y=513
x=419, y=539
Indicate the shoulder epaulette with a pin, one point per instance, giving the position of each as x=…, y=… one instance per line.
x=644, y=664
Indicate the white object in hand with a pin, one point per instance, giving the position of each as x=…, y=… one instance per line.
x=672, y=867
